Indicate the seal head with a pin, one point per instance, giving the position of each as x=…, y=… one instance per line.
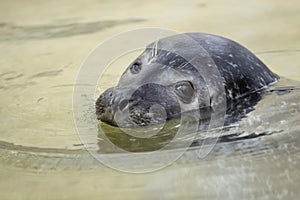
x=161, y=83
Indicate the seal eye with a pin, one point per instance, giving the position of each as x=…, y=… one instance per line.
x=136, y=67
x=185, y=91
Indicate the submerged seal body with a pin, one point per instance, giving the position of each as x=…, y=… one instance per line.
x=161, y=83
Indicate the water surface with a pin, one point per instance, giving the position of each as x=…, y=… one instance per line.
x=42, y=47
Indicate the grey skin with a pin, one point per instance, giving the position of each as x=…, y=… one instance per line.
x=160, y=84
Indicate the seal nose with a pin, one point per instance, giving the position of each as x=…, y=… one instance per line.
x=103, y=105
x=108, y=103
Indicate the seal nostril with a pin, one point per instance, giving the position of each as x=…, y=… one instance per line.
x=123, y=104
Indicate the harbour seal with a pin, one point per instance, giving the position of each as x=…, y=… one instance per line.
x=180, y=84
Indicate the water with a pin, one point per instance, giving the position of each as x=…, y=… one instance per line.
x=42, y=157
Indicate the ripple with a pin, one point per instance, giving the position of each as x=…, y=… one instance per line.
x=9, y=31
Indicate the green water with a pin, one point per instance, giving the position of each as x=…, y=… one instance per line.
x=42, y=47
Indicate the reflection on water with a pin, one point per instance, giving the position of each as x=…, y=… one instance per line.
x=138, y=139
x=130, y=143
x=257, y=156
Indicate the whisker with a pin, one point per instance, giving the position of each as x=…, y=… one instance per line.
x=278, y=51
